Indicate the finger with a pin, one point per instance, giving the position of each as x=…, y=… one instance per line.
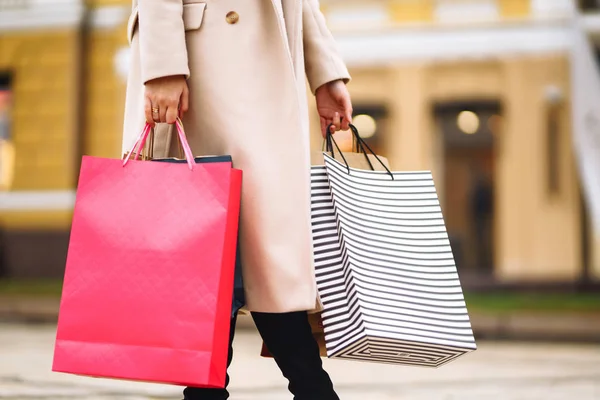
x=345, y=124
x=347, y=120
x=323, y=127
x=337, y=121
x=184, y=102
x=148, y=111
x=162, y=110
x=156, y=114
x=171, y=114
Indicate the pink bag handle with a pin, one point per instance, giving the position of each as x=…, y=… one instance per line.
x=187, y=150
x=140, y=142
x=141, y=139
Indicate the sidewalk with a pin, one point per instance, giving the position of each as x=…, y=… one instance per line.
x=539, y=326
x=497, y=370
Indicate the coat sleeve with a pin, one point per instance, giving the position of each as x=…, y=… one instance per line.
x=322, y=60
x=162, y=39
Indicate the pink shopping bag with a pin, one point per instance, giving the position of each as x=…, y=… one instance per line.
x=149, y=277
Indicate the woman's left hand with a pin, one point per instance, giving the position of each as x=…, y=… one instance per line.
x=334, y=106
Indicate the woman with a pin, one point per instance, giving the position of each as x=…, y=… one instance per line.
x=235, y=71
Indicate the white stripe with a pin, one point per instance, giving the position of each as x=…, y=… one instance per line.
x=109, y=17
x=19, y=15
x=443, y=43
x=37, y=201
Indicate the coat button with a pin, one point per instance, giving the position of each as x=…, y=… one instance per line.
x=232, y=17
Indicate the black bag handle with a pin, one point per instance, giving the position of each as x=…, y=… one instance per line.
x=357, y=145
x=361, y=147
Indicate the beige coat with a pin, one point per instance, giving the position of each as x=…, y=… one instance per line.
x=247, y=99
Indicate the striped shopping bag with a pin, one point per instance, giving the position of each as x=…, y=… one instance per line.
x=385, y=271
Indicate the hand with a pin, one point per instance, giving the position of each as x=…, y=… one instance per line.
x=334, y=106
x=166, y=99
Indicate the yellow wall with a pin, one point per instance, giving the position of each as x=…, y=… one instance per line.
x=47, y=109
x=540, y=236
x=424, y=11
x=403, y=11
x=514, y=8
x=105, y=98
x=44, y=66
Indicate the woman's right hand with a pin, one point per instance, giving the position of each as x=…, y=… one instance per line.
x=166, y=99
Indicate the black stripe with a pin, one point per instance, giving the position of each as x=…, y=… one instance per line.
x=374, y=296
x=360, y=275
x=378, y=341
x=381, y=226
x=401, y=258
x=391, y=329
x=363, y=184
x=393, y=196
x=428, y=269
x=404, y=342
x=387, y=348
x=361, y=241
x=375, y=175
x=392, y=270
x=433, y=328
x=389, y=196
x=354, y=229
x=359, y=209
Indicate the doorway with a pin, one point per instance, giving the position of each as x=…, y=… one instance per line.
x=468, y=132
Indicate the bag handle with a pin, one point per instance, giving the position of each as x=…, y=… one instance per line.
x=135, y=147
x=360, y=145
x=138, y=146
x=357, y=145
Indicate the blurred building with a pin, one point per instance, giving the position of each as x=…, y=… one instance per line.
x=61, y=61
x=478, y=91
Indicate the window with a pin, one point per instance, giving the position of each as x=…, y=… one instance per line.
x=553, y=150
x=589, y=5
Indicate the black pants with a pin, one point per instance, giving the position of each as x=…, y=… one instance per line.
x=289, y=339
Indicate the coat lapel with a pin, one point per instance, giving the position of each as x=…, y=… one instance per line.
x=289, y=16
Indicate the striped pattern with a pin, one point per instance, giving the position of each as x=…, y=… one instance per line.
x=385, y=270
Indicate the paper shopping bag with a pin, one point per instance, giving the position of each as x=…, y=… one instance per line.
x=149, y=278
x=385, y=271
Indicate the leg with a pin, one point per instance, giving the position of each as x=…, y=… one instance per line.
x=192, y=393
x=289, y=338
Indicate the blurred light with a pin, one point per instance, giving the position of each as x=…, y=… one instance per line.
x=468, y=122
x=553, y=94
x=121, y=62
x=366, y=125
